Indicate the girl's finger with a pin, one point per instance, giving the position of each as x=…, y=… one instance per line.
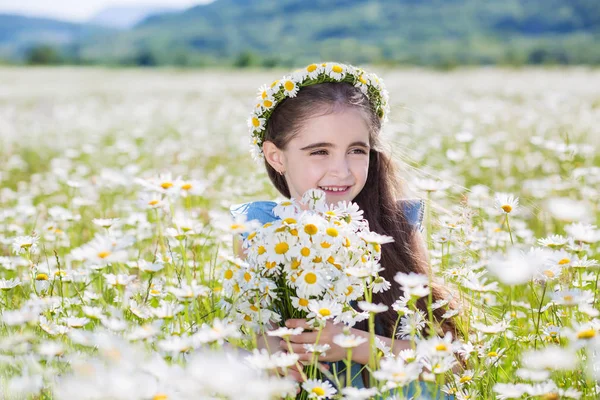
x=306, y=337
x=297, y=323
x=296, y=348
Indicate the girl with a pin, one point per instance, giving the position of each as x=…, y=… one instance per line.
x=319, y=128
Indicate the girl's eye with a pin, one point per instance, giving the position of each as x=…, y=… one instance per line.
x=324, y=152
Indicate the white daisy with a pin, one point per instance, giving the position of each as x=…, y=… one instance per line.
x=310, y=283
x=256, y=122
x=318, y=389
x=348, y=341
x=290, y=87
x=336, y=71
x=313, y=70
x=324, y=309
x=506, y=202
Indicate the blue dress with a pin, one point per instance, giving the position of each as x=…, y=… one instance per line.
x=414, y=210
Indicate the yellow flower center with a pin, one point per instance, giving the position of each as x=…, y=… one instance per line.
x=305, y=251
x=325, y=312
x=549, y=273
x=349, y=290
x=441, y=347
x=282, y=248
x=153, y=202
x=160, y=396
x=289, y=86
x=568, y=298
x=294, y=232
x=507, y=208
x=317, y=260
x=247, y=277
x=311, y=67
x=236, y=226
x=41, y=277
x=550, y=396
x=318, y=391
x=295, y=264
x=586, y=334
x=303, y=302
x=270, y=265
x=254, y=308
x=311, y=229
x=251, y=235
x=398, y=375
x=332, y=232
x=104, y=254
x=465, y=379
x=289, y=221
x=325, y=245
x=337, y=69
x=228, y=274
x=166, y=185
x=274, y=83
x=492, y=354
x=186, y=186
x=261, y=250
x=267, y=103
x=362, y=79
x=564, y=261
x=310, y=278
x=255, y=122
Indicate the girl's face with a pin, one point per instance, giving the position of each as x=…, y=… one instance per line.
x=331, y=152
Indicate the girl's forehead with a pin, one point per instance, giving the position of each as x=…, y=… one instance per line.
x=340, y=129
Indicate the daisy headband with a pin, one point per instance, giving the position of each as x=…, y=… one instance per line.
x=288, y=86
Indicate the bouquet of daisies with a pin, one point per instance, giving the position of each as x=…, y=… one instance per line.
x=311, y=263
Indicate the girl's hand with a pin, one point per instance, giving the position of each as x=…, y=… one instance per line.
x=328, y=332
x=271, y=343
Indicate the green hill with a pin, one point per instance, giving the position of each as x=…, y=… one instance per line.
x=19, y=34
x=424, y=32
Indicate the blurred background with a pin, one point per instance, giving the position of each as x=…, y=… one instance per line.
x=272, y=33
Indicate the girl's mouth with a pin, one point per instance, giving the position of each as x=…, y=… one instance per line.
x=335, y=189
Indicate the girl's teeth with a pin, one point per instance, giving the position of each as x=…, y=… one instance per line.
x=335, y=189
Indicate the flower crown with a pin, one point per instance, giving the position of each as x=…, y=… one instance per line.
x=269, y=96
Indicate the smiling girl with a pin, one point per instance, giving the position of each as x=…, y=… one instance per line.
x=320, y=128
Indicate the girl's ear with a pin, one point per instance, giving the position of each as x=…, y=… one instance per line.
x=274, y=156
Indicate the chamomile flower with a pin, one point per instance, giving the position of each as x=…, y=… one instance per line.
x=554, y=241
x=310, y=283
x=318, y=389
x=284, y=332
x=348, y=341
x=506, y=202
x=372, y=308
x=7, y=284
x=323, y=309
x=25, y=244
x=256, y=123
x=584, y=233
x=313, y=71
x=336, y=71
x=290, y=87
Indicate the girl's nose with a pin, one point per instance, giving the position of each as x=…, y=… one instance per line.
x=340, y=167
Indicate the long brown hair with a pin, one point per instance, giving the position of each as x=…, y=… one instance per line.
x=378, y=198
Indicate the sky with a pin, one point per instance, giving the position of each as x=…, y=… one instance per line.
x=80, y=10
